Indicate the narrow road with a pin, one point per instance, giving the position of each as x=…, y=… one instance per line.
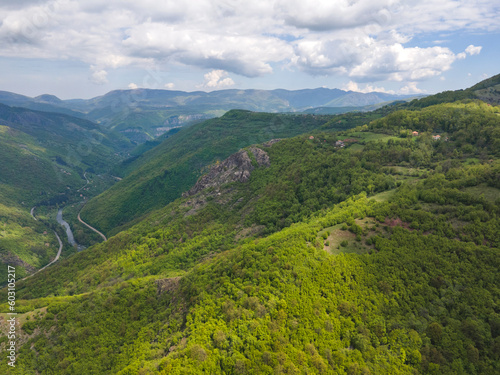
x=55, y=259
x=91, y=227
x=58, y=253
x=86, y=179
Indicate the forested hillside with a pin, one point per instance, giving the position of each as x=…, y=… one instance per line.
x=43, y=160
x=160, y=175
x=366, y=250
x=81, y=143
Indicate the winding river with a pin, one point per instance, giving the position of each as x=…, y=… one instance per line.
x=69, y=232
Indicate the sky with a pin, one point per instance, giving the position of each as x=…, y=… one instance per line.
x=85, y=48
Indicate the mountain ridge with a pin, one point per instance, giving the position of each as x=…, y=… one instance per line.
x=142, y=114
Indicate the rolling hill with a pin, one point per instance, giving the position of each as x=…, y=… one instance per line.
x=297, y=255
x=365, y=244
x=160, y=175
x=163, y=173
x=81, y=143
x=144, y=114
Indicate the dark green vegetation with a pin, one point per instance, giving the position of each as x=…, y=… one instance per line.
x=79, y=143
x=160, y=175
x=487, y=91
x=24, y=242
x=43, y=160
x=379, y=257
x=43, y=176
x=54, y=150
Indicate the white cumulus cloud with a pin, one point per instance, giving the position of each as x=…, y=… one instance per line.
x=411, y=88
x=369, y=59
x=353, y=86
x=99, y=76
x=473, y=50
x=217, y=79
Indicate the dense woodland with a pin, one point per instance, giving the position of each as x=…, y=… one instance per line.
x=160, y=175
x=377, y=255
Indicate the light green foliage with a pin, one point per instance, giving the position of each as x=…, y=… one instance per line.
x=24, y=242
x=184, y=291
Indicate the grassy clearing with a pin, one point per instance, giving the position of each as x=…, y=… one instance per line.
x=489, y=192
x=355, y=147
x=409, y=171
x=369, y=136
x=365, y=137
x=22, y=318
x=339, y=239
x=472, y=161
x=384, y=196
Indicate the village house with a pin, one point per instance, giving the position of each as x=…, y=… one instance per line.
x=436, y=137
x=339, y=144
x=414, y=133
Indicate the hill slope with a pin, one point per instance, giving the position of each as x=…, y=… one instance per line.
x=43, y=158
x=376, y=257
x=487, y=91
x=160, y=175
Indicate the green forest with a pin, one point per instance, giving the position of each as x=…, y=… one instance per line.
x=361, y=243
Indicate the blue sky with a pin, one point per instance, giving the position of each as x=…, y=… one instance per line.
x=85, y=48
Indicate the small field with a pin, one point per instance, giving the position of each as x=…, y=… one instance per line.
x=340, y=239
x=369, y=136
x=489, y=192
x=384, y=196
x=365, y=137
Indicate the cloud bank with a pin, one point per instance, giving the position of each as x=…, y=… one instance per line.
x=362, y=40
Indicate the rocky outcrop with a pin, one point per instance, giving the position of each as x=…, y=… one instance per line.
x=14, y=260
x=261, y=157
x=168, y=285
x=237, y=167
x=271, y=142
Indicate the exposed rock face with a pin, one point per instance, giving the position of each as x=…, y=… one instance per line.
x=261, y=157
x=14, y=260
x=271, y=142
x=167, y=285
x=237, y=167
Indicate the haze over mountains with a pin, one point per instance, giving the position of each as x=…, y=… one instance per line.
x=144, y=114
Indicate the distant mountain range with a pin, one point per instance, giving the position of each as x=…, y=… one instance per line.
x=144, y=114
